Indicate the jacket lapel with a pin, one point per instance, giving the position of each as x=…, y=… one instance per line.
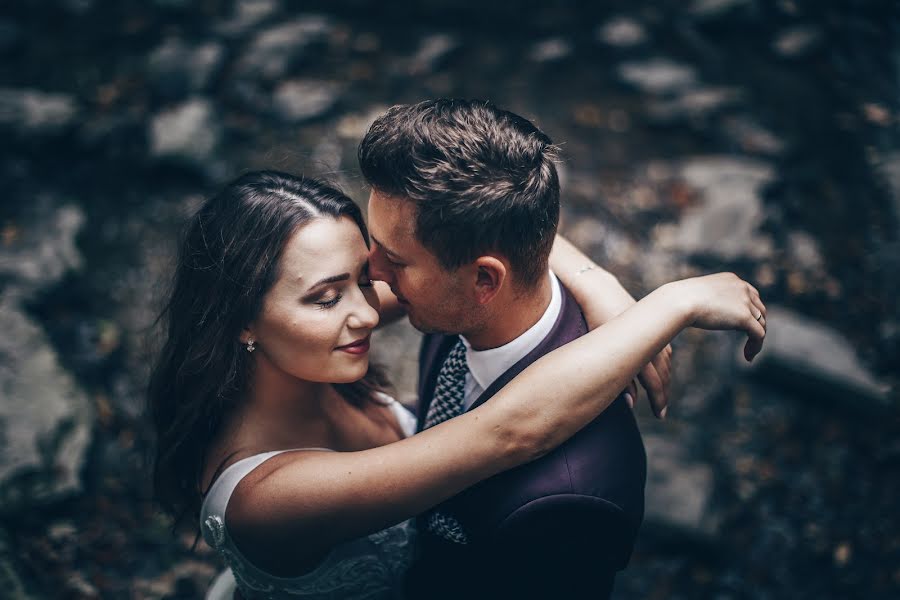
x=566, y=329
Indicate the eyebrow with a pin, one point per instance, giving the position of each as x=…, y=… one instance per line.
x=386, y=249
x=332, y=279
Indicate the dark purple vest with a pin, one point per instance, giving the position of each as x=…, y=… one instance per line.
x=587, y=494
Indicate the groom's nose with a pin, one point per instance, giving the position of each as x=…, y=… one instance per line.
x=379, y=268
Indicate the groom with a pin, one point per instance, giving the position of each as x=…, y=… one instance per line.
x=463, y=211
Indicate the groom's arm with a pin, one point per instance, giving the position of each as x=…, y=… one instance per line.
x=601, y=297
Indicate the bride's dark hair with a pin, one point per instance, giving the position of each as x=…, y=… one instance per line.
x=228, y=261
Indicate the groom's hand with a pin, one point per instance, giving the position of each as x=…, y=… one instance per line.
x=656, y=375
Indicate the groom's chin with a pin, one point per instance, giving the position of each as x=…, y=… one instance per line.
x=422, y=326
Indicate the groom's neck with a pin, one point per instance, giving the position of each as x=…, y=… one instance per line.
x=511, y=314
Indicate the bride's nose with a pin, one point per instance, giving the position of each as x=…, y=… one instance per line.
x=363, y=315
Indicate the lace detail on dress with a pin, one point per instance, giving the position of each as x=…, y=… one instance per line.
x=395, y=544
x=370, y=576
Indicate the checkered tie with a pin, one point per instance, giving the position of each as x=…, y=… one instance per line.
x=448, y=403
x=450, y=388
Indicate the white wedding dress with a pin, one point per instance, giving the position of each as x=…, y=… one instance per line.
x=367, y=568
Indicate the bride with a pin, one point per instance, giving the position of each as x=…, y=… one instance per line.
x=275, y=430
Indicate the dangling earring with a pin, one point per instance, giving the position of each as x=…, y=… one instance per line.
x=250, y=345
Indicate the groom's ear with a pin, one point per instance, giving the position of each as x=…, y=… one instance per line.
x=490, y=275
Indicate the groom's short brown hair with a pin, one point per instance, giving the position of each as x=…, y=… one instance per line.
x=483, y=179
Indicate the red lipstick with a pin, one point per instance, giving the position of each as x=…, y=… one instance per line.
x=357, y=347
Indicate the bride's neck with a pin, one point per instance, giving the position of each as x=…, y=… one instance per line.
x=282, y=410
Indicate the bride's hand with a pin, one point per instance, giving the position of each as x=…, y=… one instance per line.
x=725, y=301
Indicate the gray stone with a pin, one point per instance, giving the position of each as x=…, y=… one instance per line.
x=188, y=133
x=658, y=75
x=11, y=582
x=659, y=266
x=274, y=51
x=40, y=255
x=247, y=15
x=725, y=224
x=353, y=126
x=693, y=103
x=550, y=50
x=797, y=41
x=803, y=251
x=753, y=137
x=252, y=96
x=105, y=131
x=604, y=242
x=31, y=112
x=703, y=371
x=809, y=357
x=432, y=51
x=178, y=69
x=166, y=585
x=889, y=168
x=366, y=42
x=621, y=32
x=302, y=100
x=45, y=418
x=707, y=9
x=679, y=490
x=326, y=156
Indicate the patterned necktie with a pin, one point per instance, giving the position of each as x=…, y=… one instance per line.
x=448, y=403
x=450, y=388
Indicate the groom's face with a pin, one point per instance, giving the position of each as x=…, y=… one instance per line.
x=436, y=300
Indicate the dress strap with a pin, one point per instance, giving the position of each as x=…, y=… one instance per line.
x=216, y=500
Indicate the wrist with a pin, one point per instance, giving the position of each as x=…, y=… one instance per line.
x=679, y=297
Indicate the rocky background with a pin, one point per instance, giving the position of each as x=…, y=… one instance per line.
x=703, y=135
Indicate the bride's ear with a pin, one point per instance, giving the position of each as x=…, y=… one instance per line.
x=246, y=335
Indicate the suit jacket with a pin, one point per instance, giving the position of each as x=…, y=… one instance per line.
x=560, y=526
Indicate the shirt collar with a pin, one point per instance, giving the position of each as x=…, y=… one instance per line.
x=487, y=365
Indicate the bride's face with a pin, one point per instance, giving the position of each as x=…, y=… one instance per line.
x=316, y=319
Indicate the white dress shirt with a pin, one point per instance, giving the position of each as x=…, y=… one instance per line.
x=485, y=366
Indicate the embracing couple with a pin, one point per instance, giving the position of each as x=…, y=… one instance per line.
x=523, y=473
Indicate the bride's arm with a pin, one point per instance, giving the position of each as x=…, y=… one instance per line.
x=324, y=498
x=601, y=298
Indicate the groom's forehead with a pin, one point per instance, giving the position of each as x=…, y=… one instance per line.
x=391, y=217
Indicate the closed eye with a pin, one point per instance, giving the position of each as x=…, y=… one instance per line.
x=387, y=254
x=331, y=302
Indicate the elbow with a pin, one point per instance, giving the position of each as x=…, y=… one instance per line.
x=524, y=440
